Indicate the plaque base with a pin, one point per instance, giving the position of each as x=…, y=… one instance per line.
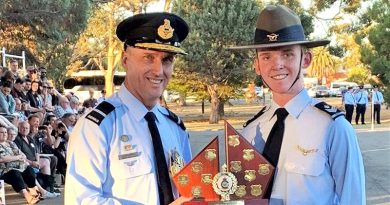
x=235, y=202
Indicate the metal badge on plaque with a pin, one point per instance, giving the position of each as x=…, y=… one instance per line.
x=243, y=179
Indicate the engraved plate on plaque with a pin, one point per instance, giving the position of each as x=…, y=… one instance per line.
x=210, y=154
x=250, y=175
x=235, y=166
x=241, y=191
x=248, y=154
x=256, y=190
x=264, y=169
x=207, y=178
x=196, y=167
x=183, y=179
x=234, y=140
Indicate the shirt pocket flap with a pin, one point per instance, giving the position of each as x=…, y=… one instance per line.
x=312, y=164
x=130, y=167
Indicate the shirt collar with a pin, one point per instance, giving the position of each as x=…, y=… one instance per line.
x=137, y=108
x=296, y=105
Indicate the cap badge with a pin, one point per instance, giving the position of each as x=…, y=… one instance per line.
x=165, y=31
x=273, y=37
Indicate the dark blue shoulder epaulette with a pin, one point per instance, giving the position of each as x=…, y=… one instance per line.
x=98, y=114
x=332, y=111
x=172, y=116
x=255, y=117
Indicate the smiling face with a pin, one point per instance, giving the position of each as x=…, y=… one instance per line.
x=279, y=68
x=147, y=73
x=34, y=86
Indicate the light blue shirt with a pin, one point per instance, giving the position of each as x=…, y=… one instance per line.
x=96, y=174
x=377, y=96
x=361, y=97
x=330, y=173
x=7, y=104
x=349, y=99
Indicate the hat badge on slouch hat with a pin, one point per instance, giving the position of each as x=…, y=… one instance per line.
x=160, y=31
x=278, y=26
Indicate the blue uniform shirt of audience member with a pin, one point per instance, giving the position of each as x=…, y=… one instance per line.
x=7, y=102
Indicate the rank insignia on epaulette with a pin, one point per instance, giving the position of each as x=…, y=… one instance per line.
x=98, y=114
x=332, y=111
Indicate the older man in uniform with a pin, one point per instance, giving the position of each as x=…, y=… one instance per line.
x=121, y=152
x=311, y=144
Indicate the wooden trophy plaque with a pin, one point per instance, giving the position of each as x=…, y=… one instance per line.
x=243, y=179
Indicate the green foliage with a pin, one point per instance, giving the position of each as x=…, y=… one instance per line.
x=215, y=26
x=45, y=29
x=377, y=54
x=338, y=51
x=358, y=75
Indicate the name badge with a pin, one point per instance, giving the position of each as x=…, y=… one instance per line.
x=129, y=155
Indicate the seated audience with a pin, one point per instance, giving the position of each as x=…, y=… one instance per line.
x=14, y=170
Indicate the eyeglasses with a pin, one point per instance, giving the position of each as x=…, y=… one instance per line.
x=45, y=87
x=32, y=71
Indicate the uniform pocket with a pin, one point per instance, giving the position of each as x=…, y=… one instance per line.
x=312, y=164
x=130, y=167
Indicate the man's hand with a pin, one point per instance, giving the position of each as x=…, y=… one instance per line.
x=180, y=200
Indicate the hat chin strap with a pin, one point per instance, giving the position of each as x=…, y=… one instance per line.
x=296, y=79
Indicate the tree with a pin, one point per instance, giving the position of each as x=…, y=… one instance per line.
x=216, y=25
x=45, y=29
x=376, y=51
x=323, y=64
x=98, y=43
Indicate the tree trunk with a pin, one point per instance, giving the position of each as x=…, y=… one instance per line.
x=167, y=5
x=182, y=100
x=202, y=106
x=221, y=109
x=214, y=114
x=109, y=75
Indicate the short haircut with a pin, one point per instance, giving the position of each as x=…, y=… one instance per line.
x=19, y=80
x=32, y=116
x=7, y=84
x=66, y=115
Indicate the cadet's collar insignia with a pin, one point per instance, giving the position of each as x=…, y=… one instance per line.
x=306, y=151
x=165, y=31
x=273, y=37
x=125, y=138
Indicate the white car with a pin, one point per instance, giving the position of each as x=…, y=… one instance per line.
x=82, y=91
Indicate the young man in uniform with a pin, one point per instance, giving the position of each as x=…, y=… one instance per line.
x=121, y=152
x=349, y=103
x=361, y=99
x=378, y=100
x=319, y=161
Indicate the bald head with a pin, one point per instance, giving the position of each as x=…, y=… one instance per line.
x=64, y=102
